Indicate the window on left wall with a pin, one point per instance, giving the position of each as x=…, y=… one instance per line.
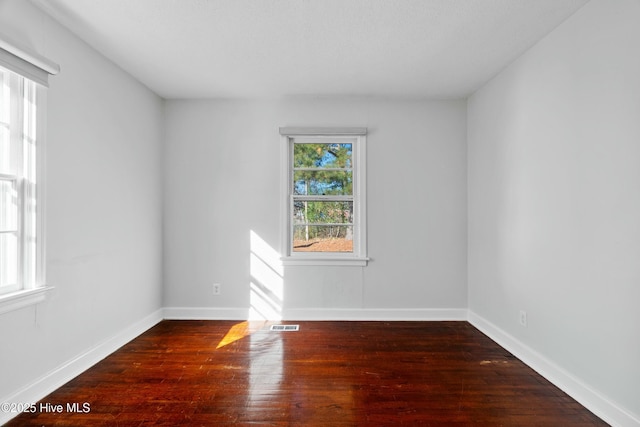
x=22, y=109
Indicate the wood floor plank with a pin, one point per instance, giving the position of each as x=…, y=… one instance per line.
x=216, y=373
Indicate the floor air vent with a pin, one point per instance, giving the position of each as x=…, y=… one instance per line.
x=285, y=328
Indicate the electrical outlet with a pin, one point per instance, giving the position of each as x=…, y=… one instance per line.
x=523, y=318
x=216, y=288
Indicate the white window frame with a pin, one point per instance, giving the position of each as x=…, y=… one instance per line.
x=28, y=83
x=355, y=136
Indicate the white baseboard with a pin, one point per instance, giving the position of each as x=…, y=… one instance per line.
x=585, y=395
x=376, y=314
x=373, y=314
x=205, y=313
x=53, y=380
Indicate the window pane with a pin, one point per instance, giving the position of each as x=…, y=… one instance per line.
x=331, y=155
x=323, y=212
x=8, y=259
x=323, y=182
x=5, y=113
x=5, y=150
x=323, y=238
x=8, y=206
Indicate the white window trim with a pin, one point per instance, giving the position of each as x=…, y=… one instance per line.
x=37, y=68
x=359, y=255
x=23, y=298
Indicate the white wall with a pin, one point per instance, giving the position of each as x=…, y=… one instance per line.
x=553, y=204
x=554, y=199
x=222, y=171
x=103, y=206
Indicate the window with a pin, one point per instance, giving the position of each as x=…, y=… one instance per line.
x=21, y=163
x=19, y=225
x=324, y=196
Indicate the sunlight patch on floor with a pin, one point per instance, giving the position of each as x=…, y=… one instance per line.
x=239, y=331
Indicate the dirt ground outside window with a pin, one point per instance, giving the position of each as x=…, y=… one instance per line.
x=323, y=245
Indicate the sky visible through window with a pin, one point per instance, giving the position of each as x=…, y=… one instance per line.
x=323, y=169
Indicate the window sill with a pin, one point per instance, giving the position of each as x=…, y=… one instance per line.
x=350, y=262
x=16, y=300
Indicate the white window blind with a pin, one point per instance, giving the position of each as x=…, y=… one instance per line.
x=23, y=61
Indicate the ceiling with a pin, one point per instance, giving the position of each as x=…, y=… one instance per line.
x=275, y=48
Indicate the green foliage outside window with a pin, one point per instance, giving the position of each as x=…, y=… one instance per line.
x=322, y=169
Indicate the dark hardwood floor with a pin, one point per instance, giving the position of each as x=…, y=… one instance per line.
x=216, y=373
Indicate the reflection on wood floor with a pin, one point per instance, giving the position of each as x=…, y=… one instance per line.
x=212, y=373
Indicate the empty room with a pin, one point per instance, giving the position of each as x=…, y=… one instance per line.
x=319, y=212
